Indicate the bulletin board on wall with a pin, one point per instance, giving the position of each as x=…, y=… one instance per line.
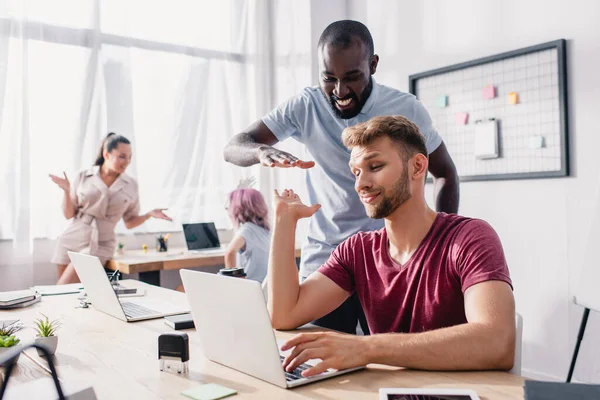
x=502, y=116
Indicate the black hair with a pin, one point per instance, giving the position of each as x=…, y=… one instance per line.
x=340, y=34
x=110, y=142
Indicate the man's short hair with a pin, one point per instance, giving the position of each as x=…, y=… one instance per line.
x=341, y=34
x=398, y=128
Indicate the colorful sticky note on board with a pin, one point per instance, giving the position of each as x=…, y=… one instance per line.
x=461, y=118
x=441, y=101
x=489, y=92
x=209, y=391
x=513, y=98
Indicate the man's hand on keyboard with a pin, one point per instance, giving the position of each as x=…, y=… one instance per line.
x=335, y=350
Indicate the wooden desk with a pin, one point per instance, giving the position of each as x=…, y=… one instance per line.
x=120, y=361
x=149, y=264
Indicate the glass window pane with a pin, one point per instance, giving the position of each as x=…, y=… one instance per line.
x=206, y=24
x=66, y=13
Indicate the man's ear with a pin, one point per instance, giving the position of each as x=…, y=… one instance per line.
x=420, y=164
x=374, y=62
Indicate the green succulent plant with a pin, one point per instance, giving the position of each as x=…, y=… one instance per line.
x=7, y=329
x=9, y=341
x=45, y=327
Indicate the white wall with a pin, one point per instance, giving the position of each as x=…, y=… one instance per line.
x=543, y=224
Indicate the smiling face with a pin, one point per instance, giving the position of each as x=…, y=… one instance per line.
x=382, y=177
x=345, y=77
x=119, y=158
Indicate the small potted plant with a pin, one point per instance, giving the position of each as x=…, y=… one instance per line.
x=46, y=331
x=8, y=341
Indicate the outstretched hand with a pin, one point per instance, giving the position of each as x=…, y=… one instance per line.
x=272, y=157
x=289, y=203
x=158, y=213
x=62, y=183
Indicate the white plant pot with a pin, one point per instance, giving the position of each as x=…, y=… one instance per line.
x=4, y=350
x=50, y=342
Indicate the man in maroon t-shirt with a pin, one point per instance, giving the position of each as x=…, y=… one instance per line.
x=435, y=287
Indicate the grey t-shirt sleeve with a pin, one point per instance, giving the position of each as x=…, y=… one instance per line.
x=422, y=119
x=285, y=120
x=245, y=232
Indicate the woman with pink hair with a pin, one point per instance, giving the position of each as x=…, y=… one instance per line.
x=250, y=245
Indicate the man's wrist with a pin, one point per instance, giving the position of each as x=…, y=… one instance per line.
x=369, y=349
x=285, y=217
x=261, y=148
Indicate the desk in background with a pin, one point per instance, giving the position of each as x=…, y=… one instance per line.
x=148, y=264
x=100, y=350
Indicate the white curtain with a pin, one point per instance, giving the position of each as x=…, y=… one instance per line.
x=177, y=78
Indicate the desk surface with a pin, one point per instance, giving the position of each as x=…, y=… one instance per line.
x=136, y=261
x=120, y=361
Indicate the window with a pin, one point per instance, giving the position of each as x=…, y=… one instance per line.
x=177, y=78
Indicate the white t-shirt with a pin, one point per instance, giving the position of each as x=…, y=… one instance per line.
x=308, y=118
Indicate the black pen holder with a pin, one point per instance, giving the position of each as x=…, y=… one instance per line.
x=161, y=244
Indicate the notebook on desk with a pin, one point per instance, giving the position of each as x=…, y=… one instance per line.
x=201, y=237
x=181, y=321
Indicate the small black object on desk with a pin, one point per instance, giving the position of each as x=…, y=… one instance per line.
x=161, y=243
x=235, y=272
x=174, y=351
x=181, y=321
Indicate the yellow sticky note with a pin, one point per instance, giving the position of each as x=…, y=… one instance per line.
x=513, y=98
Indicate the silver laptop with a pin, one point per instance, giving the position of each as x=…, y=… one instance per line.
x=235, y=330
x=103, y=297
x=202, y=237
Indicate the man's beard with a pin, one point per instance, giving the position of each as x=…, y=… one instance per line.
x=400, y=194
x=347, y=114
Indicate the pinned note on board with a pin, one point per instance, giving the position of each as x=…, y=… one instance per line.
x=513, y=98
x=461, y=118
x=537, y=142
x=489, y=92
x=486, y=139
x=441, y=101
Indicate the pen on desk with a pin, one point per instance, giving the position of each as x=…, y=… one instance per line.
x=113, y=275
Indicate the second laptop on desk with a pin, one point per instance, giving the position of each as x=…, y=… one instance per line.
x=201, y=237
x=103, y=297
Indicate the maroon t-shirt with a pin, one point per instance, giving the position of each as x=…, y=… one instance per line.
x=426, y=292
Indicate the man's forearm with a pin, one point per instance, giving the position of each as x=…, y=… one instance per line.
x=447, y=193
x=283, y=275
x=242, y=150
x=469, y=346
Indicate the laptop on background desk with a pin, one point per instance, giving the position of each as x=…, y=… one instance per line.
x=103, y=297
x=202, y=237
x=235, y=329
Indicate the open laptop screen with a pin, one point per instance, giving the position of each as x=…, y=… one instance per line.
x=201, y=236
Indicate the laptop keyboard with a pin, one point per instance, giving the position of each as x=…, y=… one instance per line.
x=133, y=310
x=295, y=374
